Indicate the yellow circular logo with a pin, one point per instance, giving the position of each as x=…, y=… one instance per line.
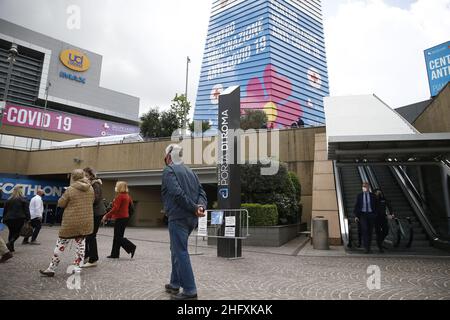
x=271, y=110
x=75, y=60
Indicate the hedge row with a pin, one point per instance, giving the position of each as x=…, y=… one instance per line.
x=261, y=215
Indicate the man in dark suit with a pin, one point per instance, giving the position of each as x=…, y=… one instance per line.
x=366, y=214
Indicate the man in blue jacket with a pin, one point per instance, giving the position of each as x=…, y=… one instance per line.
x=366, y=214
x=184, y=202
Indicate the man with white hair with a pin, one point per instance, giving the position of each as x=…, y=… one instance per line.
x=184, y=202
x=36, y=211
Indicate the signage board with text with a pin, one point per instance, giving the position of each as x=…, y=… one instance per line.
x=53, y=190
x=438, y=67
x=35, y=118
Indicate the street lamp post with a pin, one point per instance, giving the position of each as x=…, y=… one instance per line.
x=188, y=60
x=187, y=77
x=12, y=54
x=43, y=115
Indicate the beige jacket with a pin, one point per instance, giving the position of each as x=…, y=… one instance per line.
x=78, y=216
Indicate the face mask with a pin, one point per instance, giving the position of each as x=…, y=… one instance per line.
x=365, y=190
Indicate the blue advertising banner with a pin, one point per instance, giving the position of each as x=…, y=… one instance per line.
x=438, y=67
x=53, y=189
x=275, y=51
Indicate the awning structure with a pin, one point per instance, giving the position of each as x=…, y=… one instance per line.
x=364, y=128
x=207, y=175
x=380, y=148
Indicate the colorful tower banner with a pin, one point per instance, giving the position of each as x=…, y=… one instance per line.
x=275, y=51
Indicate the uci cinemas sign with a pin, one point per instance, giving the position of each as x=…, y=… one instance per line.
x=75, y=60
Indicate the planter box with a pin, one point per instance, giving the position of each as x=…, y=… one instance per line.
x=265, y=236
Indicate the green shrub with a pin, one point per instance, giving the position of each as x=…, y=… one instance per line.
x=297, y=186
x=276, y=189
x=261, y=215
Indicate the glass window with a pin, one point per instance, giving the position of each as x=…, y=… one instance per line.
x=29, y=142
x=7, y=141
x=20, y=143
x=46, y=144
x=35, y=144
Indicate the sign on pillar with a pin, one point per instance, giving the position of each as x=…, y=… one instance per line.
x=229, y=181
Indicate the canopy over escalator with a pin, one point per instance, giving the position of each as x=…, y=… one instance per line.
x=365, y=128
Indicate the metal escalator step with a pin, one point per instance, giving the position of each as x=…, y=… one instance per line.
x=421, y=243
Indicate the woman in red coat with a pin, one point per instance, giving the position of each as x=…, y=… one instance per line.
x=120, y=213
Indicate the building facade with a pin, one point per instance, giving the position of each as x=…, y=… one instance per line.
x=49, y=92
x=37, y=71
x=275, y=51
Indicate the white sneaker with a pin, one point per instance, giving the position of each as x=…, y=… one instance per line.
x=89, y=265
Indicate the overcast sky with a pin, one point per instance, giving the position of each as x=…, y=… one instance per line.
x=373, y=46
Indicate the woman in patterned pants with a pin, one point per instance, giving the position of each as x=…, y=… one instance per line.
x=77, y=223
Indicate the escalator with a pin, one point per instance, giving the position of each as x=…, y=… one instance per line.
x=408, y=234
x=351, y=186
x=401, y=208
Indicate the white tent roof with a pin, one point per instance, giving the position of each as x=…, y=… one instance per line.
x=363, y=115
x=99, y=140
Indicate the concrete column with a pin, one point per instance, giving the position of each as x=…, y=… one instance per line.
x=324, y=190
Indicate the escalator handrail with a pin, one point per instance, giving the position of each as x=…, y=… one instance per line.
x=343, y=218
x=372, y=179
x=363, y=174
x=374, y=182
x=446, y=163
x=412, y=186
x=417, y=205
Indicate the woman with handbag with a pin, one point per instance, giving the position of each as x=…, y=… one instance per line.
x=77, y=221
x=15, y=214
x=91, y=254
x=120, y=212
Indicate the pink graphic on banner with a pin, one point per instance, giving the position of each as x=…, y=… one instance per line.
x=63, y=122
x=273, y=94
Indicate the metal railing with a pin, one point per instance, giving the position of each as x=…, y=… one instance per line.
x=417, y=204
x=232, y=224
x=401, y=231
x=343, y=219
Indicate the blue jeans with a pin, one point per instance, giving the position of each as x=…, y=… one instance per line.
x=182, y=274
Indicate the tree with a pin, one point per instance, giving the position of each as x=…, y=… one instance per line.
x=150, y=124
x=156, y=124
x=169, y=123
x=253, y=119
x=181, y=107
x=205, y=126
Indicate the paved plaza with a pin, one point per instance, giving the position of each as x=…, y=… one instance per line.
x=294, y=271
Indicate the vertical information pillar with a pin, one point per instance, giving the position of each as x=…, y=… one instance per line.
x=228, y=172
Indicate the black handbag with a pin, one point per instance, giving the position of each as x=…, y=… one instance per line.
x=27, y=230
x=131, y=209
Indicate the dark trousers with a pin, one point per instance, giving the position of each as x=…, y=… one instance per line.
x=119, y=241
x=359, y=234
x=91, y=242
x=382, y=230
x=36, y=224
x=367, y=228
x=14, y=226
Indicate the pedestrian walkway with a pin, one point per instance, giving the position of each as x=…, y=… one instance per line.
x=264, y=273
